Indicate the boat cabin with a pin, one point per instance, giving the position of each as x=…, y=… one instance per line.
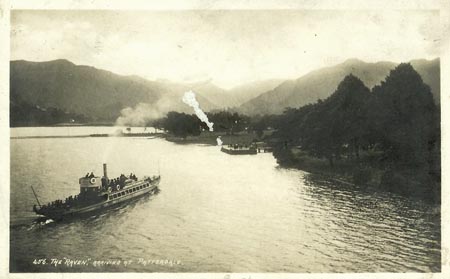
x=90, y=185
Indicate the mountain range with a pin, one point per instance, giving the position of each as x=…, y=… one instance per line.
x=102, y=95
x=321, y=83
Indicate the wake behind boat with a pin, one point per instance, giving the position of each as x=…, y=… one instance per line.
x=98, y=193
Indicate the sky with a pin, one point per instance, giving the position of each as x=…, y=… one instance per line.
x=227, y=47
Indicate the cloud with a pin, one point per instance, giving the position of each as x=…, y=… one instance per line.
x=231, y=47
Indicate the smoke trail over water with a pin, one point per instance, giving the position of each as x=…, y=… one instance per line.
x=219, y=141
x=143, y=113
x=189, y=99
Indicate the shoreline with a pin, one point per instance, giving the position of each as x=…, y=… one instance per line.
x=100, y=124
x=361, y=174
x=210, y=138
x=356, y=173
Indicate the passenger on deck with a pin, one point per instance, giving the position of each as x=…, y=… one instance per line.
x=91, y=175
x=87, y=175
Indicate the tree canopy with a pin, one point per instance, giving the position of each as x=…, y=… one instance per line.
x=397, y=119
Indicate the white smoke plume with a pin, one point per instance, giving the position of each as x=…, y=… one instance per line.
x=189, y=99
x=142, y=113
x=219, y=141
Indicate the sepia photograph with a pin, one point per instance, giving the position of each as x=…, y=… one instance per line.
x=225, y=141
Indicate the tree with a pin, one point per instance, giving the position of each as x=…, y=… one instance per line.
x=181, y=124
x=338, y=124
x=405, y=116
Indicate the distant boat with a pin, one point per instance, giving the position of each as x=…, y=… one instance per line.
x=236, y=149
x=98, y=193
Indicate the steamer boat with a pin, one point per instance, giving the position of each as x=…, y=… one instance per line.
x=98, y=193
x=238, y=149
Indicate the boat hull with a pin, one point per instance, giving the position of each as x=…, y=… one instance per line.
x=249, y=151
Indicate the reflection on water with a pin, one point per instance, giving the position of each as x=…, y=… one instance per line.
x=215, y=212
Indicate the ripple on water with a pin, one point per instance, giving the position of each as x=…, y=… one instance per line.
x=216, y=213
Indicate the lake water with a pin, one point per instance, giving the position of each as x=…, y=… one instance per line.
x=215, y=213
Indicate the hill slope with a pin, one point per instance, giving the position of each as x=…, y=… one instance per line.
x=96, y=93
x=321, y=83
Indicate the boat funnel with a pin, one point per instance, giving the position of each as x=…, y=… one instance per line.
x=105, y=171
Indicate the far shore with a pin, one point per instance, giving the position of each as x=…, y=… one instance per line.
x=210, y=138
x=364, y=171
x=91, y=124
